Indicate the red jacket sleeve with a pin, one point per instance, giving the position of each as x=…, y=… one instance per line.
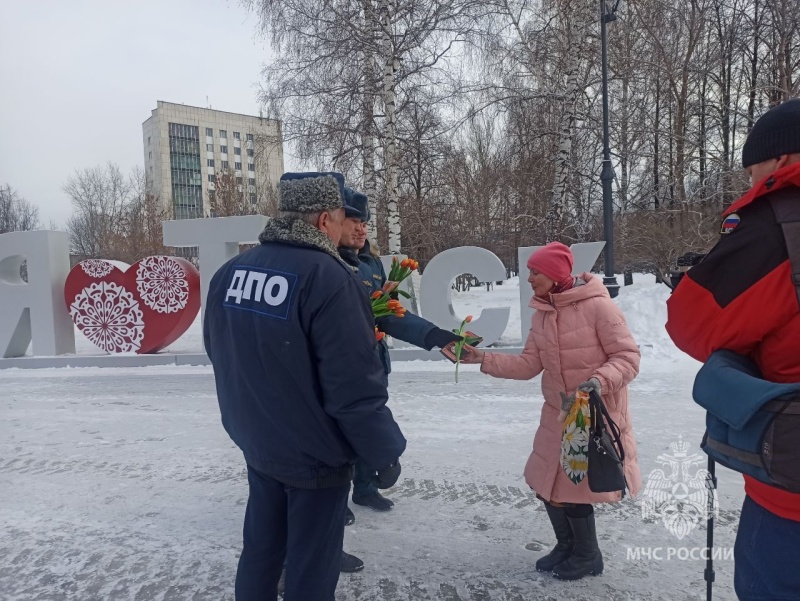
x=699, y=325
x=739, y=293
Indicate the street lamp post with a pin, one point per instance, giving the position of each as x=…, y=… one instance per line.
x=607, y=15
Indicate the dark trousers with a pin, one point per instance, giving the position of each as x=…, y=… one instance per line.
x=304, y=527
x=766, y=556
x=363, y=484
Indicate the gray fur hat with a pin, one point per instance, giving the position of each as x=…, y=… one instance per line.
x=310, y=192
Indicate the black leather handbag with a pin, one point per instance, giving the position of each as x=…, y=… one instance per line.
x=606, y=456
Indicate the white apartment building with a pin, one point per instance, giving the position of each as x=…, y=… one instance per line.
x=187, y=147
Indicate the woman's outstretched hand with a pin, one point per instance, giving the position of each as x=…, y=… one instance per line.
x=470, y=354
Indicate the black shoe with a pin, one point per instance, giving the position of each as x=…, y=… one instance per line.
x=350, y=564
x=586, y=558
x=349, y=517
x=562, y=550
x=374, y=501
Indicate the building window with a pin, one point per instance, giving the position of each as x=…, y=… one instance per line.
x=223, y=149
x=212, y=178
x=184, y=154
x=251, y=181
x=210, y=147
x=237, y=166
x=209, y=131
x=251, y=167
x=210, y=162
x=252, y=199
x=223, y=134
x=224, y=164
x=238, y=180
x=249, y=137
x=237, y=150
x=151, y=155
x=249, y=152
x=236, y=136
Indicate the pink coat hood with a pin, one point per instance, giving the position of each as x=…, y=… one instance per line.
x=581, y=335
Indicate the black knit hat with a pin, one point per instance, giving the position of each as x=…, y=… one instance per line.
x=776, y=132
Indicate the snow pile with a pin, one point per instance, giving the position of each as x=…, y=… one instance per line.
x=644, y=305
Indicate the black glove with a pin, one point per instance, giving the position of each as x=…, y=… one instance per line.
x=439, y=337
x=387, y=476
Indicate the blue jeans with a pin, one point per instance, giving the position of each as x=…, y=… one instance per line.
x=766, y=556
x=304, y=527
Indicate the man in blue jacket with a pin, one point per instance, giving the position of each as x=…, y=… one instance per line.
x=300, y=403
x=355, y=250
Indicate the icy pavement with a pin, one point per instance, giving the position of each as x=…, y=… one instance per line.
x=122, y=484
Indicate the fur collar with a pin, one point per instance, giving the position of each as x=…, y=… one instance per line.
x=297, y=231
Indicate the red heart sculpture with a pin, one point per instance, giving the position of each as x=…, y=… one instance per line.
x=143, y=308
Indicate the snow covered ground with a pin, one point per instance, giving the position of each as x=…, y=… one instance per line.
x=121, y=484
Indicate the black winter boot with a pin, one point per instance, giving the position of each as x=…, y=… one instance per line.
x=350, y=564
x=562, y=550
x=374, y=500
x=586, y=557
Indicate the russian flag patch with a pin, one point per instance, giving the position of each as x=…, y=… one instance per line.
x=730, y=223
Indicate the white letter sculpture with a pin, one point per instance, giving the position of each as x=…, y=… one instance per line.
x=435, y=293
x=217, y=240
x=34, y=310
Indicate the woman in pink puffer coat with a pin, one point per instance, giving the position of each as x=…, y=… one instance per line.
x=579, y=339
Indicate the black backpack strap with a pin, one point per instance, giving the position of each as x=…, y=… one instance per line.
x=786, y=206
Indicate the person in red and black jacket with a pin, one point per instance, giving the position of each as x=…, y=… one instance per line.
x=741, y=297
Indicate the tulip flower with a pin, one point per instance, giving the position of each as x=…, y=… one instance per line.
x=385, y=301
x=400, y=270
x=466, y=338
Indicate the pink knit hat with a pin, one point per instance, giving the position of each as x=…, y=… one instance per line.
x=554, y=260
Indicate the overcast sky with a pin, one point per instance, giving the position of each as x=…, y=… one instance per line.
x=78, y=78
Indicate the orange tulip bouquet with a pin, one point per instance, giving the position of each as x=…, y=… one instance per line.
x=398, y=272
x=453, y=350
x=384, y=301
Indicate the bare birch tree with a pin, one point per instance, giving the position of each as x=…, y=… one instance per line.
x=481, y=121
x=114, y=217
x=336, y=61
x=16, y=213
x=98, y=196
